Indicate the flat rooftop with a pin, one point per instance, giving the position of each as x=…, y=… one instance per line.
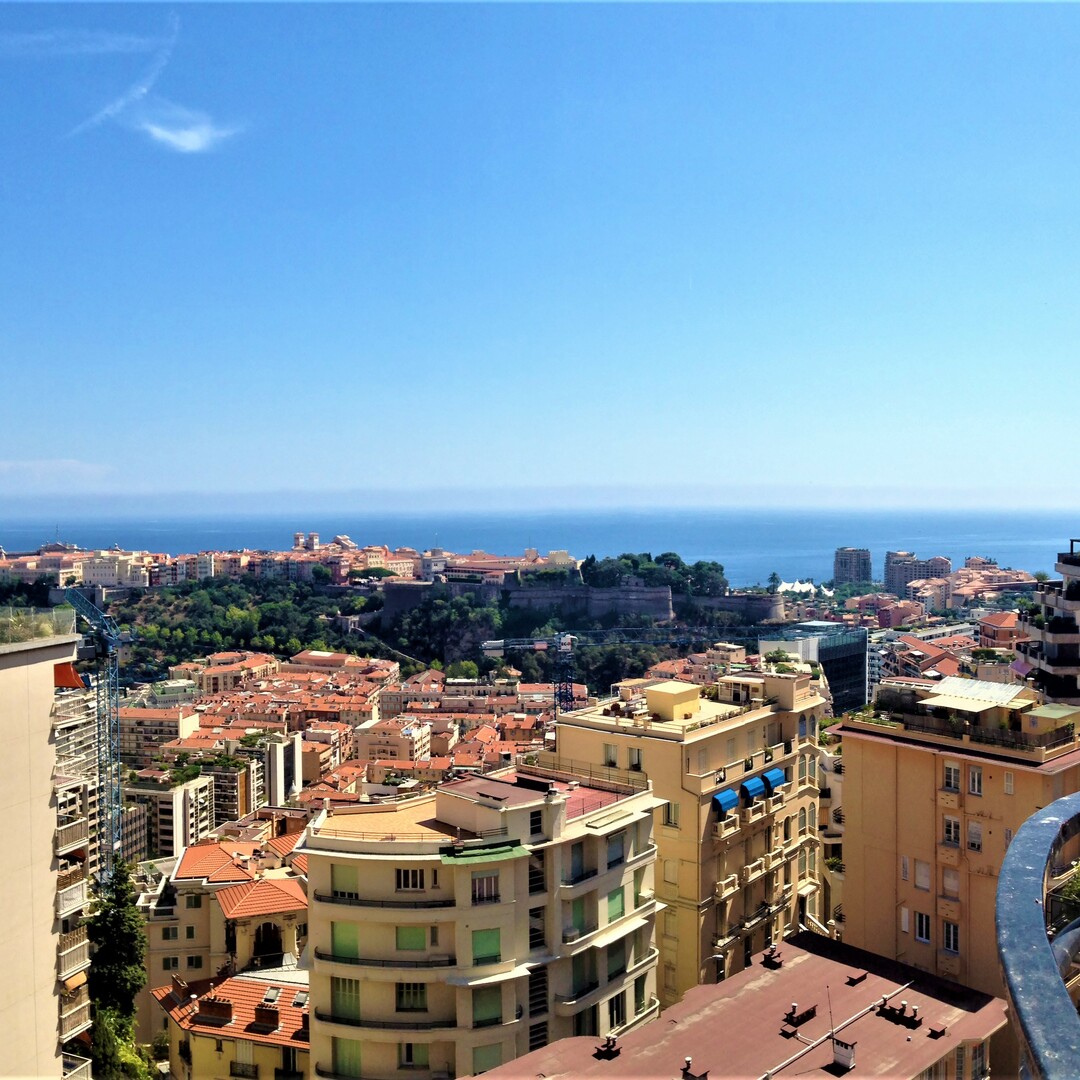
x=410, y=819
x=744, y=1026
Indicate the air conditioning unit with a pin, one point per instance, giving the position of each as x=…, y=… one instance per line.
x=571, y=933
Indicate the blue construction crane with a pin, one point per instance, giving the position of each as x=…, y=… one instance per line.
x=562, y=645
x=105, y=639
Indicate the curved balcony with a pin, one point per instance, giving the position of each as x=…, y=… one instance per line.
x=396, y=905
x=1044, y=1015
x=417, y=1023
x=366, y=961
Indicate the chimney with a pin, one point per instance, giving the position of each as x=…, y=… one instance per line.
x=267, y=1016
x=216, y=1009
x=843, y=1054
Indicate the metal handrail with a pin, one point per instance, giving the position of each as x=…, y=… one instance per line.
x=1044, y=1014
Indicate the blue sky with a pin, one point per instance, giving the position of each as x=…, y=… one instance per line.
x=557, y=255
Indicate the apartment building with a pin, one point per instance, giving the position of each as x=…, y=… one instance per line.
x=811, y=1007
x=457, y=930
x=43, y=890
x=252, y=1025
x=401, y=739
x=178, y=815
x=839, y=649
x=1054, y=648
x=144, y=731
x=226, y=906
x=937, y=780
x=737, y=836
x=851, y=566
x=239, y=786
x=904, y=566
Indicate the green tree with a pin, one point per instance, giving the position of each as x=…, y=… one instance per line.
x=105, y=1045
x=320, y=575
x=1041, y=575
x=774, y=582
x=116, y=931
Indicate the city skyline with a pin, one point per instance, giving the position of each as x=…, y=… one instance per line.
x=562, y=251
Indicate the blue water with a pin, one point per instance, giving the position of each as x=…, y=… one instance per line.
x=749, y=543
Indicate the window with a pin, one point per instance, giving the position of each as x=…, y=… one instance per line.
x=616, y=959
x=616, y=849
x=345, y=939
x=922, y=874
x=194, y=962
x=635, y=759
x=536, y=822
x=345, y=1054
x=952, y=777
x=974, y=779
x=189, y=933
x=669, y=978
x=905, y=920
x=485, y=887
x=411, y=938
x=616, y=904
x=922, y=926
x=489, y=1057
x=343, y=882
x=1008, y=837
x=219, y=1046
x=611, y=755
x=802, y=821
x=639, y=995
x=1008, y=783
x=193, y=901
x=170, y=963
x=434, y=936
x=413, y=1056
x=671, y=815
x=974, y=836
x=905, y=868
x=950, y=935
x=617, y=1010
x=978, y=1061
x=950, y=882
x=802, y=768
x=487, y=1005
x=169, y=933
x=487, y=948
x=411, y=997
x=408, y=879
x=952, y=831
x=345, y=998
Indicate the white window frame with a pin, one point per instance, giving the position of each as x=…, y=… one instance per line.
x=922, y=927
x=975, y=780
x=951, y=831
x=951, y=779
x=1010, y=783
x=974, y=836
x=409, y=879
x=950, y=936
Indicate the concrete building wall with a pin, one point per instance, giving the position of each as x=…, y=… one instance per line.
x=29, y=994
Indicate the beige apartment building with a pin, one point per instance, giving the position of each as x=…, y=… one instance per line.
x=938, y=777
x=225, y=907
x=178, y=815
x=455, y=931
x=737, y=837
x=43, y=890
x=144, y=731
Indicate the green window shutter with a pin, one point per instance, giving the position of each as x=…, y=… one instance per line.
x=345, y=997
x=486, y=947
x=344, y=881
x=412, y=937
x=616, y=904
x=346, y=1053
x=577, y=913
x=486, y=1057
x=345, y=939
x=487, y=1005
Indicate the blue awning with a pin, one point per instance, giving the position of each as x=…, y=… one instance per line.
x=725, y=800
x=774, y=778
x=752, y=789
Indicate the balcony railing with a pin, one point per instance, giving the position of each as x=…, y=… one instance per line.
x=71, y=833
x=76, y=1068
x=364, y=961
x=385, y=1025
x=73, y=952
x=74, y=1013
x=355, y=901
x=243, y=1069
x=71, y=899
x=1044, y=1014
x=580, y=876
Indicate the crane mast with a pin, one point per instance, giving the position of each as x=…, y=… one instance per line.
x=106, y=639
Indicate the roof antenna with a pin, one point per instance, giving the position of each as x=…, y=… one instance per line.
x=832, y=1026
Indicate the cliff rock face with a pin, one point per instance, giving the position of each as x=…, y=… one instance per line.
x=585, y=601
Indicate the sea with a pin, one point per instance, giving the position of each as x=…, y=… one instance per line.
x=750, y=544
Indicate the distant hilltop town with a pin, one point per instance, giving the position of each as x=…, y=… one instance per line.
x=343, y=561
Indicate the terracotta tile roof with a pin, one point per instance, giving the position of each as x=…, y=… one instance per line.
x=244, y=993
x=262, y=897
x=214, y=861
x=1005, y=619
x=299, y=864
x=282, y=845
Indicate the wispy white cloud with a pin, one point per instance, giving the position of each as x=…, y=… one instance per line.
x=66, y=42
x=165, y=123
x=184, y=130
x=138, y=89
